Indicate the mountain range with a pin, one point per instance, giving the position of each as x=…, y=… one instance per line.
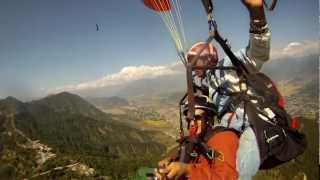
x=285, y=69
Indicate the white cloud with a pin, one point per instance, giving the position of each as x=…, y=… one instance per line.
x=132, y=73
x=126, y=74
x=296, y=50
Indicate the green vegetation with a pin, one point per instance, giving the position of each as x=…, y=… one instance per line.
x=108, y=101
x=76, y=131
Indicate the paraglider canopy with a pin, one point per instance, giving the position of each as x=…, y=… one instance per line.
x=158, y=5
x=170, y=12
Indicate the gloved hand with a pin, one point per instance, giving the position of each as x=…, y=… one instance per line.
x=256, y=11
x=160, y=173
x=252, y=3
x=175, y=170
x=164, y=162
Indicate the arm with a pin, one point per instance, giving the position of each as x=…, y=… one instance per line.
x=258, y=49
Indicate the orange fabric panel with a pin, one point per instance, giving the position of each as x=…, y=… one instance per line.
x=227, y=143
x=158, y=5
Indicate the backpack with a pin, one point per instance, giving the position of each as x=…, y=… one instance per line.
x=278, y=141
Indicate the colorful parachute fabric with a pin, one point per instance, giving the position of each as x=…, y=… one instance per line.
x=158, y=5
x=170, y=12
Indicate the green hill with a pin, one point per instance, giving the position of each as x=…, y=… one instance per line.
x=108, y=101
x=79, y=131
x=69, y=103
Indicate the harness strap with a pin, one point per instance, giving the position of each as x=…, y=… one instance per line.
x=189, y=144
x=230, y=118
x=271, y=6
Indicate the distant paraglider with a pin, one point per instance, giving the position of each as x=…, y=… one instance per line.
x=97, y=27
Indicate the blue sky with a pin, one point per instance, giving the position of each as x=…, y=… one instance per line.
x=52, y=43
